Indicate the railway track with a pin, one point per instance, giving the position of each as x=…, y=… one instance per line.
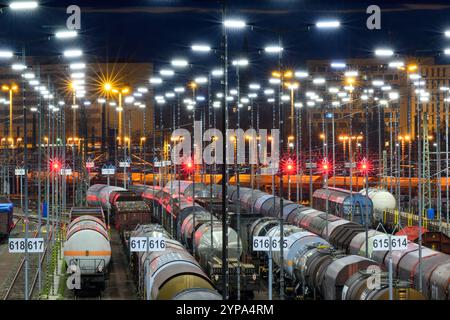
x=16, y=288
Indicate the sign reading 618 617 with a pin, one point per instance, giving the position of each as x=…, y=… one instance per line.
x=32, y=245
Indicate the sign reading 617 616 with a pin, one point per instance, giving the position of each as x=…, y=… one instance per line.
x=143, y=244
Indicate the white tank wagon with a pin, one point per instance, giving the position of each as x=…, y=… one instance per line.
x=298, y=242
x=172, y=274
x=87, y=251
x=381, y=199
x=208, y=242
x=98, y=195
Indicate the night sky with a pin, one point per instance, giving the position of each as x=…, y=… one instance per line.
x=158, y=30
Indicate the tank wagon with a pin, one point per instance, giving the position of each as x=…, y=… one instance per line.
x=172, y=274
x=313, y=268
x=87, y=249
x=126, y=208
x=352, y=206
x=349, y=237
x=201, y=233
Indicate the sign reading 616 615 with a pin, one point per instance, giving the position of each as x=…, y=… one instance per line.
x=265, y=243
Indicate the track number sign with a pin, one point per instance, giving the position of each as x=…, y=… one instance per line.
x=381, y=243
x=143, y=244
x=265, y=243
x=108, y=171
x=33, y=245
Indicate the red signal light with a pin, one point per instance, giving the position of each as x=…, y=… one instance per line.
x=325, y=167
x=188, y=166
x=55, y=165
x=289, y=166
x=364, y=166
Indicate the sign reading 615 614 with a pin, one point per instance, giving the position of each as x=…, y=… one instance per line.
x=381, y=243
x=32, y=245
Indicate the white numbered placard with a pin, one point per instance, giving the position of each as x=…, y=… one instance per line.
x=264, y=243
x=33, y=245
x=124, y=164
x=381, y=243
x=159, y=164
x=143, y=244
x=66, y=172
x=350, y=164
x=20, y=172
x=311, y=165
x=108, y=171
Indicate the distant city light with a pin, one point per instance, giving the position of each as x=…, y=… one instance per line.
x=328, y=24
x=352, y=73
x=217, y=73
x=129, y=99
x=179, y=63
x=396, y=64
x=240, y=62
x=319, y=81
x=6, y=54
x=393, y=95
x=333, y=90
x=77, y=75
x=273, y=49
x=384, y=52
x=166, y=72
x=274, y=81
x=201, y=48
x=377, y=83
x=155, y=80
x=201, y=80
x=29, y=75
x=338, y=65
x=72, y=53
x=234, y=24
x=77, y=66
x=414, y=76
x=23, y=5
x=66, y=34
x=301, y=74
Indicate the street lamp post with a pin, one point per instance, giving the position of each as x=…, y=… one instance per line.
x=121, y=137
x=10, y=89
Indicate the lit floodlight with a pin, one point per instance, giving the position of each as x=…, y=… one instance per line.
x=328, y=24
x=73, y=53
x=66, y=34
x=234, y=24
